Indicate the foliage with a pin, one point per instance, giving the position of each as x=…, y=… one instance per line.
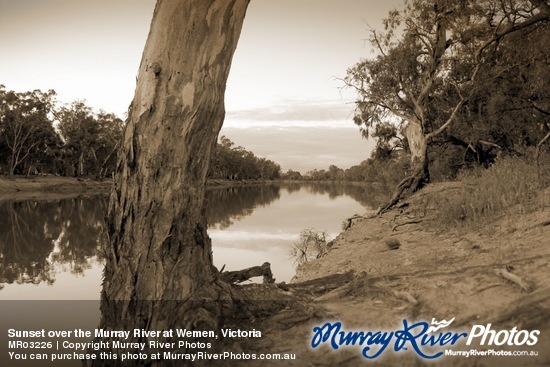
x=511, y=105
x=472, y=74
x=311, y=245
x=386, y=169
x=37, y=136
x=91, y=140
x=389, y=171
x=291, y=175
x=27, y=138
x=237, y=163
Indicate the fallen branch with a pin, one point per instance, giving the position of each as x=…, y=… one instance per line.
x=513, y=278
x=344, y=290
x=406, y=295
x=426, y=274
x=337, y=293
x=479, y=290
x=240, y=276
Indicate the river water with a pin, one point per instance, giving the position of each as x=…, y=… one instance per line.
x=51, y=250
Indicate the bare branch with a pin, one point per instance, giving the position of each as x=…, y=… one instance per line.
x=449, y=121
x=544, y=14
x=377, y=42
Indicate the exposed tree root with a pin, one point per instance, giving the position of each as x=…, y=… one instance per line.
x=406, y=187
x=351, y=220
x=416, y=221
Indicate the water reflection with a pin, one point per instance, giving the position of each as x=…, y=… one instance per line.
x=370, y=195
x=44, y=242
x=37, y=237
x=227, y=205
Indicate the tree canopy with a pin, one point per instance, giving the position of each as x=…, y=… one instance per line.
x=230, y=162
x=450, y=72
x=39, y=136
x=27, y=138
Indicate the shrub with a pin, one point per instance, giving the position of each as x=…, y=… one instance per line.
x=311, y=245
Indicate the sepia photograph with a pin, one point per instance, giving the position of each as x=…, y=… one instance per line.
x=306, y=183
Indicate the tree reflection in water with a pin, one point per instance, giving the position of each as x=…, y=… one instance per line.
x=370, y=195
x=36, y=237
x=228, y=204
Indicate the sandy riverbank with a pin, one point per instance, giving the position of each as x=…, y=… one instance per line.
x=496, y=273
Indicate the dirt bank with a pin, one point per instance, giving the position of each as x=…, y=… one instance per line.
x=498, y=274
x=49, y=187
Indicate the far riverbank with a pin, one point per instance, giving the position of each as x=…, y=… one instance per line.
x=51, y=187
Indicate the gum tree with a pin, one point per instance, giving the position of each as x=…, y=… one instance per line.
x=26, y=132
x=427, y=66
x=159, y=260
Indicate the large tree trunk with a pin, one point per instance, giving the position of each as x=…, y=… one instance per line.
x=420, y=174
x=159, y=249
x=418, y=146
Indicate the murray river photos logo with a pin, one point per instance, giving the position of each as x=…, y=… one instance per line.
x=429, y=341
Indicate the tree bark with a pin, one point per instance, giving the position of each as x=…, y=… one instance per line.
x=420, y=175
x=81, y=164
x=159, y=272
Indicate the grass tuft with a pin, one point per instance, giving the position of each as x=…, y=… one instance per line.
x=512, y=185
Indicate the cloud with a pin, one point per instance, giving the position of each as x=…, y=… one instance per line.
x=293, y=113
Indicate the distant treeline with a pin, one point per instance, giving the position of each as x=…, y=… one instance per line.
x=388, y=171
x=39, y=137
x=36, y=136
x=237, y=163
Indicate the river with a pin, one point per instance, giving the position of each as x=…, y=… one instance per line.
x=52, y=250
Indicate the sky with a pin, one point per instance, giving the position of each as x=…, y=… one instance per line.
x=284, y=99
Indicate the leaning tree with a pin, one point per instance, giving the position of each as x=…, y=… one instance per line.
x=429, y=61
x=159, y=266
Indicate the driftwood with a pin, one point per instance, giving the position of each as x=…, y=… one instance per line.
x=513, y=278
x=240, y=276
